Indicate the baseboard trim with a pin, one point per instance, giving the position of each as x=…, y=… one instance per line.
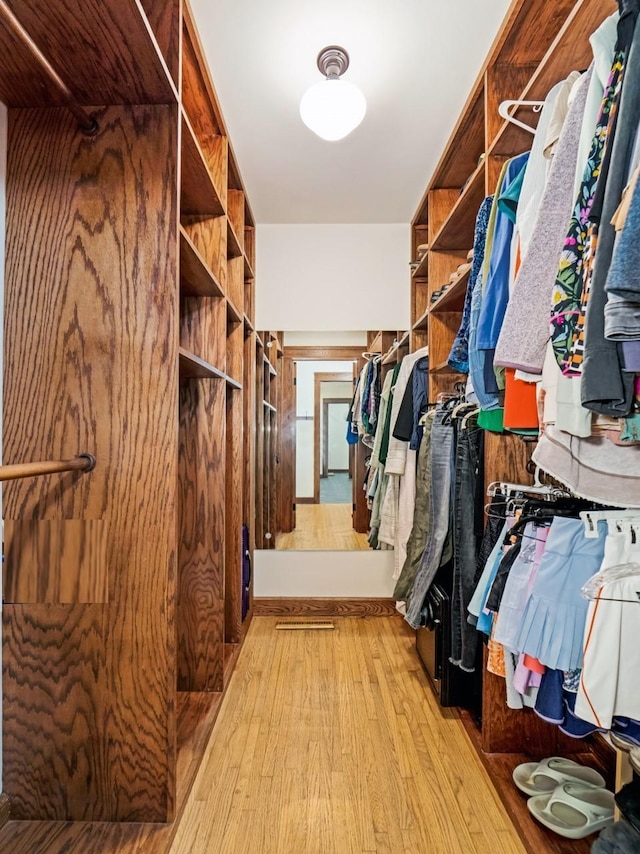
x=315, y=607
x=306, y=500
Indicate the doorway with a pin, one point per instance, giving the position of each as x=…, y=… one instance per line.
x=336, y=468
x=330, y=438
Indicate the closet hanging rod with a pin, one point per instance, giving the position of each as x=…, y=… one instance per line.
x=505, y=107
x=82, y=463
x=87, y=124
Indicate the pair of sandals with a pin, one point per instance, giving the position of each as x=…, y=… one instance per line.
x=568, y=798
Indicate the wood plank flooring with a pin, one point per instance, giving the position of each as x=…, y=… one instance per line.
x=326, y=743
x=323, y=526
x=333, y=742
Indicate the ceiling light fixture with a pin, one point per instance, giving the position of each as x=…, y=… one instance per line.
x=333, y=108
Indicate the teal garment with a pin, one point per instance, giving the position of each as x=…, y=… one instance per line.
x=508, y=201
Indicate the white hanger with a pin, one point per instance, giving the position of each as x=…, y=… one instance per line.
x=592, y=517
x=593, y=588
x=505, y=106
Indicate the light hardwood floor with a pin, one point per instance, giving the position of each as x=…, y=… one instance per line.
x=331, y=742
x=323, y=526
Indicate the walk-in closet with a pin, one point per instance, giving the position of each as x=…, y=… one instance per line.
x=320, y=469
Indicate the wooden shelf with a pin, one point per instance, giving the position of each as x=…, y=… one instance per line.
x=421, y=270
x=233, y=315
x=272, y=370
x=376, y=344
x=453, y=298
x=535, y=837
x=247, y=323
x=198, y=193
x=442, y=368
x=268, y=405
x=569, y=50
x=196, y=279
x=422, y=321
x=128, y=67
x=193, y=367
x=390, y=357
x=457, y=230
x=404, y=341
x=259, y=340
x=234, y=250
x=248, y=269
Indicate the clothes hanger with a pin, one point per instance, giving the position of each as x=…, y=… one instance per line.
x=505, y=106
x=592, y=517
x=594, y=585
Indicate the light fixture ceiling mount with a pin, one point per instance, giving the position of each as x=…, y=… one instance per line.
x=333, y=61
x=334, y=107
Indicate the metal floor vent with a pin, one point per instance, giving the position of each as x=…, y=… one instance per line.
x=302, y=625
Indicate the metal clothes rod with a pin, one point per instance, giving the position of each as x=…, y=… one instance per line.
x=83, y=463
x=87, y=123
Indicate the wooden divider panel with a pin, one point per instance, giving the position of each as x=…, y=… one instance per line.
x=91, y=364
x=202, y=535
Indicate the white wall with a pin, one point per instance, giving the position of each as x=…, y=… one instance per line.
x=323, y=574
x=325, y=339
x=338, y=449
x=332, y=277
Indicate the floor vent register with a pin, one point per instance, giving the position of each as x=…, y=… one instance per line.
x=304, y=625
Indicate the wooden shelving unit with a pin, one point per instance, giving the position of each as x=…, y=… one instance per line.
x=165, y=330
x=539, y=44
x=196, y=279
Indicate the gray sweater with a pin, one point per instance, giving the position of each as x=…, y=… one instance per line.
x=525, y=330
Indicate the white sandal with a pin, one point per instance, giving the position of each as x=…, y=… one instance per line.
x=574, y=810
x=537, y=778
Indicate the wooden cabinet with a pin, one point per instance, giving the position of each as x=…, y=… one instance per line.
x=129, y=334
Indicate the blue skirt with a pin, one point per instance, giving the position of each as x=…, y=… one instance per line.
x=554, y=617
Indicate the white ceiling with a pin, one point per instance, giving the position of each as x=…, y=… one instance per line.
x=415, y=61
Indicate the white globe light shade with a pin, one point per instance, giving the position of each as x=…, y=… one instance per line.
x=333, y=108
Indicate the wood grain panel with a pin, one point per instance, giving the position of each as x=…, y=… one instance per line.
x=336, y=607
x=504, y=81
x=196, y=279
x=105, y=53
x=61, y=561
x=197, y=714
x=202, y=535
x=456, y=232
x=235, y=213
x=234, y=487
x=235, y=350
x=198, y=94
x=209, y=236
x=235, y=282
x=90, y=329
x=203, y=329
x=165, y=21
x=199, y=195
